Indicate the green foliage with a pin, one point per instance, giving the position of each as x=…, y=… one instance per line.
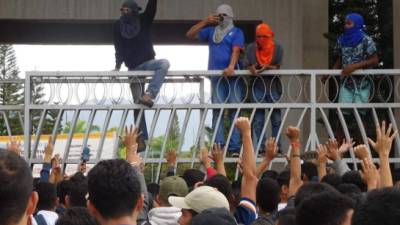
x=81, y=127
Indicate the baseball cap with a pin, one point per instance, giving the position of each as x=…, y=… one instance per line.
x=200, y=199
x=172, y=186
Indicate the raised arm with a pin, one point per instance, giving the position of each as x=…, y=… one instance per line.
x=383, y=145
x=194, y=30
x=293, y=133
x=150, y=12
x=218, y=157
x=249, y=180
x=271, y=151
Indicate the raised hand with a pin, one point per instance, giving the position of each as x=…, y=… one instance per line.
x=217, y=153
x=384, y=139
x=293, y=133
x=205, y=158
x=48, y=150
x=243, y=124
x=361, y=152
x=322, y=154
x=14, y=146
x=171, y=157
x=346, y=146
x=271, y=149
x=333, y=150
x=131, y=136
x=370, y=174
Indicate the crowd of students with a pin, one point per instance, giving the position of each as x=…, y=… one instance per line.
x=114, y=191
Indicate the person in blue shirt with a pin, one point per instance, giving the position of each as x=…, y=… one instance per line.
x=225, y=43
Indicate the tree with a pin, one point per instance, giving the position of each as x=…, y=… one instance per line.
x=10, y=93
x=81, y=127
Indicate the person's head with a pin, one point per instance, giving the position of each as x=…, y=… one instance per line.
x=214, y=216
x=236, y=191
x=286, y=216
x=283, y=181
x=332, y=179
x=271, y=174
x=130, y=7
x=197, y=201
x=308, y=171
x=48, y=199
x=354, y=21
x=350, y=190
x=114, y=190
x=63, y=189
x=76, y=216
x=192, y=176
x=153, y=189
x=79, y=188
x=264, y=35
x=354, y=177
x=312, y=188
x=225, y=14
x=18, y=201
x=267, y=195
x=382, y=206
x=171, y=186
x=326, y=208
x=222, y=184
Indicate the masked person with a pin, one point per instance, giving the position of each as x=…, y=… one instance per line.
x=225, y=43
x=133, y=46
x=264, y=54
x=355, y=50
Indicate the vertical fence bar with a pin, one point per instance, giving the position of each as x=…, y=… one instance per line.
x=38, y=131
x=119, y=132
x=199, y=134
x=347, y=134
x=164, y=144
x=88, y=128
x=103, y=134
x=313, y=103
x=7, y=124
x=393, y=121
x=182, y=137
x=228, y=139
x=152, y=128
x=56, y=125
x=70, y=136
x=27, y=119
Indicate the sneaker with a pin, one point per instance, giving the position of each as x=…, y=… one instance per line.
x=146, y=100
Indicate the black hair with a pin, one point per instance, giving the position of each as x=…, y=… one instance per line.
x=268, y=195
x=47, y=195
x=222, y=184
x=272, y=174
x=287, y=216
x=63, y=189
x=114, y=188
x=350, y=190
x=192, y=176
x=153, y=189
x=381, y=206
x=284, y=178
x=332, y=179
x=16, y=185
x=236, y=192
x=310, y=170
x=76, y=216
x=79, y=190
x=354, y=177
x=311, y=188
x=326, y=208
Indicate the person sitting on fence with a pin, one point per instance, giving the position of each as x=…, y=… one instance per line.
x=265, y=54
x=225, y=43
x=133, y=46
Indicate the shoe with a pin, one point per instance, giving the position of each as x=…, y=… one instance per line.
x=141, y=144
x=146, y=100
x=232, y=154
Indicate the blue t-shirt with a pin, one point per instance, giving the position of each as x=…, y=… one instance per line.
x=246, y=212
x=220, y=54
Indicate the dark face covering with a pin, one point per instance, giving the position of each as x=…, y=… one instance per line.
x=130, y=21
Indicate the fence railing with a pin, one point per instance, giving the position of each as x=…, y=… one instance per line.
x=58, y=104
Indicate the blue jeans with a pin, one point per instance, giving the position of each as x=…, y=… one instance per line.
x=160, y=68
x=230, y=90
x=264, y=94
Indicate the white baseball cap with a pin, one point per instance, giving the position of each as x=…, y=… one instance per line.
x=201, y=198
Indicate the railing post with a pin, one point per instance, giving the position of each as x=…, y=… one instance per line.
x=27, y=120
x=202, y=102
x=313, y=104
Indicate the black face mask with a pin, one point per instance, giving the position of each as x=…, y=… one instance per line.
x=130, y=24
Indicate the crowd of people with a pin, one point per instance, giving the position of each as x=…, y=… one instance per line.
x=320, y=191
x=114, y=192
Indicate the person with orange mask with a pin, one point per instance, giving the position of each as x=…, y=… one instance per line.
x=265, y=54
